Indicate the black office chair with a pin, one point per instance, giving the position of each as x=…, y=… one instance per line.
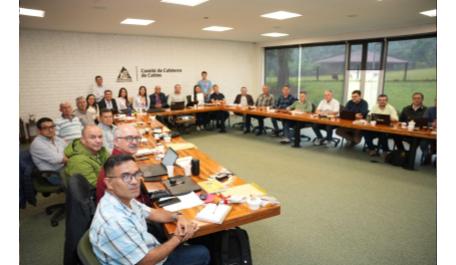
x=238, y=124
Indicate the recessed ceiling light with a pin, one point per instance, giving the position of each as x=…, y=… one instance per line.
x=274, y=34
x=184, y=2
x=135, y=21
x=31, y=12
x=281, y=15
x=430, y=13
x=217, y=28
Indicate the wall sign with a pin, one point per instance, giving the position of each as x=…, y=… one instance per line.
x=155, y=72
x=124, y=75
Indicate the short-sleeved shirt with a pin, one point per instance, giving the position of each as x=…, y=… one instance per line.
x=217, y=96
x=331, y=106
x=205, y=85
x=265, y=100
x=387, y=110
x=305, y=106
x=360, y=107
x=48, y=154
x=118, y=234
x=68, y=129
x=285, y=102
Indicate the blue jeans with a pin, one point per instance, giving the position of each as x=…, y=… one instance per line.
x=189, y=255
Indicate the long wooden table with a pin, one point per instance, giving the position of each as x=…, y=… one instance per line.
x=395, y=129
x=240, y=213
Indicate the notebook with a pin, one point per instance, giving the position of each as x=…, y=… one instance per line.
x=347, y=115
x=213, y=213
x=152, y=172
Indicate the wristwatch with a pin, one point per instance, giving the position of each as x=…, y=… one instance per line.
x=176, y=215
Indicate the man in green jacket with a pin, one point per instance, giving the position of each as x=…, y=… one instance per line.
x=86, y=155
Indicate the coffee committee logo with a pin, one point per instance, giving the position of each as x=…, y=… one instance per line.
x=124, y=76
x=157, y=72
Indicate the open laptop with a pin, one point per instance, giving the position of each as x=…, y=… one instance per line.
x=381, y=119
x=190, y=102
x=155, y=172
x=347, y=115
x=153, y=110
x=421, y=122
x=178, y=105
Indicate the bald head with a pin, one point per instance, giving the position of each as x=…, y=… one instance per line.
x=92, y=138
x=66, y=109
x=126, y=139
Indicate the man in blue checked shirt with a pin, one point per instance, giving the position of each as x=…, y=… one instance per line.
x=118, y=232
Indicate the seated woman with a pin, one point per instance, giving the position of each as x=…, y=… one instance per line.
x=92, y=107
x=123, y=103
x=141, y=103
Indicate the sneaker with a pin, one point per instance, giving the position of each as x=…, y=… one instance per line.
x=276, y=133
x=372, y=152
x=246, y=131
x=258, y=133
x=285, y=141
x=198, y=128
x=318, y=141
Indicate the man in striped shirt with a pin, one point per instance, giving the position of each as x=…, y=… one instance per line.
x=118, y=232
x=68, y=127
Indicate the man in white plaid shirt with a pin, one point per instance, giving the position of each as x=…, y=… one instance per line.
x=118, y=232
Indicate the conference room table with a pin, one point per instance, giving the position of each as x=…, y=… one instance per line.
x=395, y=127
x=240, y=214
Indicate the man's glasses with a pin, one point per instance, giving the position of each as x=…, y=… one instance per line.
x=127, y=178
x=48, y=127
x=131, y=138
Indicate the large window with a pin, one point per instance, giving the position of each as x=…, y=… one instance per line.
x=411, y=67
x=396, y=67
x=322, y=68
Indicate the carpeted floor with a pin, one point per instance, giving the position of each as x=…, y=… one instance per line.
x=339, y=206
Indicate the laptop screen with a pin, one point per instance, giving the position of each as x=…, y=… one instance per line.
x=170, y=157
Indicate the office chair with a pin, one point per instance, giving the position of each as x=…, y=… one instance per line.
x=238, y=124
x=85, y=252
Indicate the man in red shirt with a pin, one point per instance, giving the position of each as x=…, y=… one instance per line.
x=126, y=141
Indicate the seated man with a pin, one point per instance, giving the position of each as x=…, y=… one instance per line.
x=47, y=150
x=118, y=232
x=359, y=106
x=302, y=105
x=244, y=100
x=68, y=127
x=126, y=141
x=177, y=96
x=263, y=100
x=411, y=112
x=81, y=112
x=382, y=107
x=108, y=102
x=86, y=155
x=221, y=116
x=158, y=99
x=431, y=115
x=107, y=126
x=328, y=106
x=283, y=102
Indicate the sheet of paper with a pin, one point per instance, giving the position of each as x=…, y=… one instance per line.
x=181, y=146
x=244, y=190
x=211, y=186
x=189, y=200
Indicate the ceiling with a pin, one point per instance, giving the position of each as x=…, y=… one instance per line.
x=319, y=18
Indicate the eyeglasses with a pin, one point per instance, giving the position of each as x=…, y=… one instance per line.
x=131, y=138
x=48, y=127
x=127, y=178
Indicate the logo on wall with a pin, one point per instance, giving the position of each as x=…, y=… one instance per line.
x=124, y=75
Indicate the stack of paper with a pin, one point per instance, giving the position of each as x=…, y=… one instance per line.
x=181, y=146
x=146, y=151
x=213, y=213
x=186, y=201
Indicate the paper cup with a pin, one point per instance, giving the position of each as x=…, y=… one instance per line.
x=254, y=203
x=170, y=170
x=188, y=170
x=373, y=123
x=167, y=139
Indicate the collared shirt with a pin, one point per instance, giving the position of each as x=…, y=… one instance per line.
x=331, y=106
x=412, y=113
x=118, y=234
x=217, y=96
x=98, y=91
x=176, y=98
x=360, y=107
x=205, y=85
x=285, y=102
x=265, y=100
x=68, y=129
x=121, y=103
x=108, y=104
x=243, y=101
x=388, y=110
x=304, y=107
x=47, y=154
x=108, y=136
x=86, y=118
x=141, y=103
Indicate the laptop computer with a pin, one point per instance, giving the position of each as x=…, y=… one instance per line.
x=155, y=172
x=181, y=185
x=190, y=101
x=178, y=105
x=381, y=119
x=421, y=122
x=153, y=110
x=347, y=115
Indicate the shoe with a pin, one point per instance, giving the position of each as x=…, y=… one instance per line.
x=285, y=141
x=372, y=152
x=246, y=131
x=258, y=133
x=318, y=141
x=276, y=133
x=222, y=131
x=198, y=128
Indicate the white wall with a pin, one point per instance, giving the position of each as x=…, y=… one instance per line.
x=57, y=66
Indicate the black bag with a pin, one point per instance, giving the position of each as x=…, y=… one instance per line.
x=398, y=158
x=229, y=247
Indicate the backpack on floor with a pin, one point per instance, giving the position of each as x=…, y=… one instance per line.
x=397, y=158
x=229, y=247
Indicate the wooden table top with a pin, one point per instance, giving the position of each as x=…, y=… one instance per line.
x=240, y=213
x=395, y=128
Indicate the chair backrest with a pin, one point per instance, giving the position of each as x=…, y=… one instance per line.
x=85, y=251
x=26, y=190
x=80, y=208
x=314, y=107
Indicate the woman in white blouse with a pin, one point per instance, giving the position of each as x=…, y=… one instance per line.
x=141, y=100
x=123, y=104
x=92, y=106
